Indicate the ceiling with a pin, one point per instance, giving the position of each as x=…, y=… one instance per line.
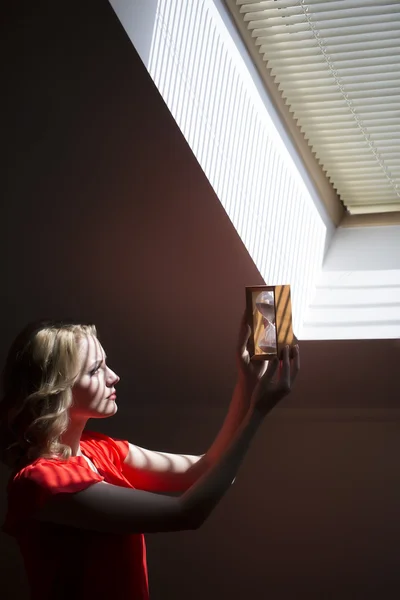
x=333, y=70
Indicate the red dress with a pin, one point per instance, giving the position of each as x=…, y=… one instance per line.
x=64, y=562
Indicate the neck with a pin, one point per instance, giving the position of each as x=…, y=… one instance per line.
x=73, y=435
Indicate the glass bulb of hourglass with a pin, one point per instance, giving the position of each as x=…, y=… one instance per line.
x=265, y=306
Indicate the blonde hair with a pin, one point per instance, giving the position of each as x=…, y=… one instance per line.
x=40, y=370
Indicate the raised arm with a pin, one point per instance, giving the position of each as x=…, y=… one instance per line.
x=107, y=508
x=157, y=471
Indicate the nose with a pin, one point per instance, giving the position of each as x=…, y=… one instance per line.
x=112, y=378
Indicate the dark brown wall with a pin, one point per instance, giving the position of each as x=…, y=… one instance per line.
x=106, y=215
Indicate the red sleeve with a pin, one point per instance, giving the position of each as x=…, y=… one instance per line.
x=32, y=487
x=111, y=449
x=123, y=448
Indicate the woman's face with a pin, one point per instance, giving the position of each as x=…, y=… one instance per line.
x=94, y=392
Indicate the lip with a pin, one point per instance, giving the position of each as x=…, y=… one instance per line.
x=112, y=396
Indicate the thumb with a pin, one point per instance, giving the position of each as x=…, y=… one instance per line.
x=271, y=369
x=244, y=334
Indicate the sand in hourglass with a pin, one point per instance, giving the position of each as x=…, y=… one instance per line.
x=267, y=338
x=267, y=311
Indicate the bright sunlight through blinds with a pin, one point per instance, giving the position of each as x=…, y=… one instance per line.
x=204, y=82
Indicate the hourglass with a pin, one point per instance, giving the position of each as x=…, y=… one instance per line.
x=266, y=338
x=269, y=314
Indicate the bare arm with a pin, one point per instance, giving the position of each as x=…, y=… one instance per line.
x=107, y=508
x=166, y=472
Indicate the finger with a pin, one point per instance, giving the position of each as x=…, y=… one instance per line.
x=284, y=379
x=271, y=369
x=244, y=334
x=296, y=362
x=262, y=368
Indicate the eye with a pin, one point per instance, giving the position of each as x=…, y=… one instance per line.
x=95, y=370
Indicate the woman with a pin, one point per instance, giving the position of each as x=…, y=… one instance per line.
x=80, y=502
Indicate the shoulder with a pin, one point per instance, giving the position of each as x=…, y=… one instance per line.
x=104, y=447
x=52, y=473
x=51, y=476
x=32, y=487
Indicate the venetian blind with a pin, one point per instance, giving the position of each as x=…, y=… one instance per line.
x=337, y=66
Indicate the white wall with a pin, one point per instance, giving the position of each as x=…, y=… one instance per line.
x=138, y=18
x=358, y=291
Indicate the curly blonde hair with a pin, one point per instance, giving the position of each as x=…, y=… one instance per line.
x=40, y=370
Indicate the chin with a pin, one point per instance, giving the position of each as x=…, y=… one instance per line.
x=112, y=411
x=108, y=412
